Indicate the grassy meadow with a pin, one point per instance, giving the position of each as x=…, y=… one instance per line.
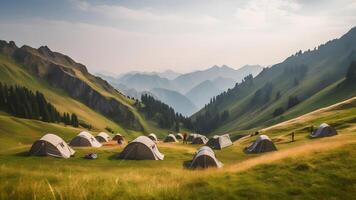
x=304, y=169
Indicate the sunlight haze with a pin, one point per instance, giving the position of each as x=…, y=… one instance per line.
x=121, y=36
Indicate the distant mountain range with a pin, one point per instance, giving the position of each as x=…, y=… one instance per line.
x=203, y=92
x=186, y=93
x=168, y=74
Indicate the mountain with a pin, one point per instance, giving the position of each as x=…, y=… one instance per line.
x=69, y=87
x=134, y=84
x=188, y=81
x=179, y=102
x=145, y=82
x=224, y=83
x=202, y=93
x=224, y=77
x=300, y=84
x=169, y=74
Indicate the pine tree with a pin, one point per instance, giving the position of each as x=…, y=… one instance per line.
x=2, y=96
x=74, y=120
x=177, y=126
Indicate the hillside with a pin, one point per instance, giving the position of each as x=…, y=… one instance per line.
x=302, y=83
x=224, y=83
x=179, y=102
x=70, y=87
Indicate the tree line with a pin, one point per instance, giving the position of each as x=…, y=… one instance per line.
x=165, y=115
x=209, y=121
x=351, y=73
x=22, y=102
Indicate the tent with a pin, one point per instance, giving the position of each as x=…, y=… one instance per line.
x=192, y=136
x=324, y=130
x=51, y=145
x=170, y=138
x=219, y=141
x=103, y=137
x=200, y=139
x=118, y=137
x=141, y=148
x=153, y=137
x=262, y=144
x=205, y=158
x=84, y=139
x=179, y=136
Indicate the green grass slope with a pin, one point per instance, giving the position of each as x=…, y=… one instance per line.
x=25, y=66
x=314, y=77
x=13, y=74
x=304, y=169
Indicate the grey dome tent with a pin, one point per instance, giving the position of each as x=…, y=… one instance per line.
x=192, y=136
x=84, y=139
x=141, y=148
x=219, y=141
x=170, y=138
x=51, y=145
x=205, y=158
x=262, y=144
x=200, y=139
x=103, y=137
x=153, y=137
x=118, y=137
x=324, y=130
x=179, y=136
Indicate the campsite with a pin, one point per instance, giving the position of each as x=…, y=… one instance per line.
x=240, y=177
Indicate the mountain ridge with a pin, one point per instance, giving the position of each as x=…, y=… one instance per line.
x=42, y=69
x=287, y=87
x=136, y=83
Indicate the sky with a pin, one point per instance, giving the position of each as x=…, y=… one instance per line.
x=182, y=35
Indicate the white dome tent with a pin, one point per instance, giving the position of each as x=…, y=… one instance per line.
x=262, y=144
x=205, y=158
x=51, y=145
x=103, y=137
x=179, y=136
x=170, y=138
x=219, y=141
x=84, y=139
x=325, y=130
x=141, y=148
x=200, y=139
x=153, y=137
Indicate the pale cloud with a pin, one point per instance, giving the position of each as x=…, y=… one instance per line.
x=121, y=38
x=117, y=12
x=264, y=13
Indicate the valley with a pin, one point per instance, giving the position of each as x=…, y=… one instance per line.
x=177, y=100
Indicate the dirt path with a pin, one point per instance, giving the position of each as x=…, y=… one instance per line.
x=323, y=144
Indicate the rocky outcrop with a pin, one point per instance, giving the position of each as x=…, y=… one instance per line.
x=58, y=70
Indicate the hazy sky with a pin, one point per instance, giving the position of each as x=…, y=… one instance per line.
x=183, y=35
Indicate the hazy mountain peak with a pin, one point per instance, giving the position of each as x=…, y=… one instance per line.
x=215, y=67
x=226, y=67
